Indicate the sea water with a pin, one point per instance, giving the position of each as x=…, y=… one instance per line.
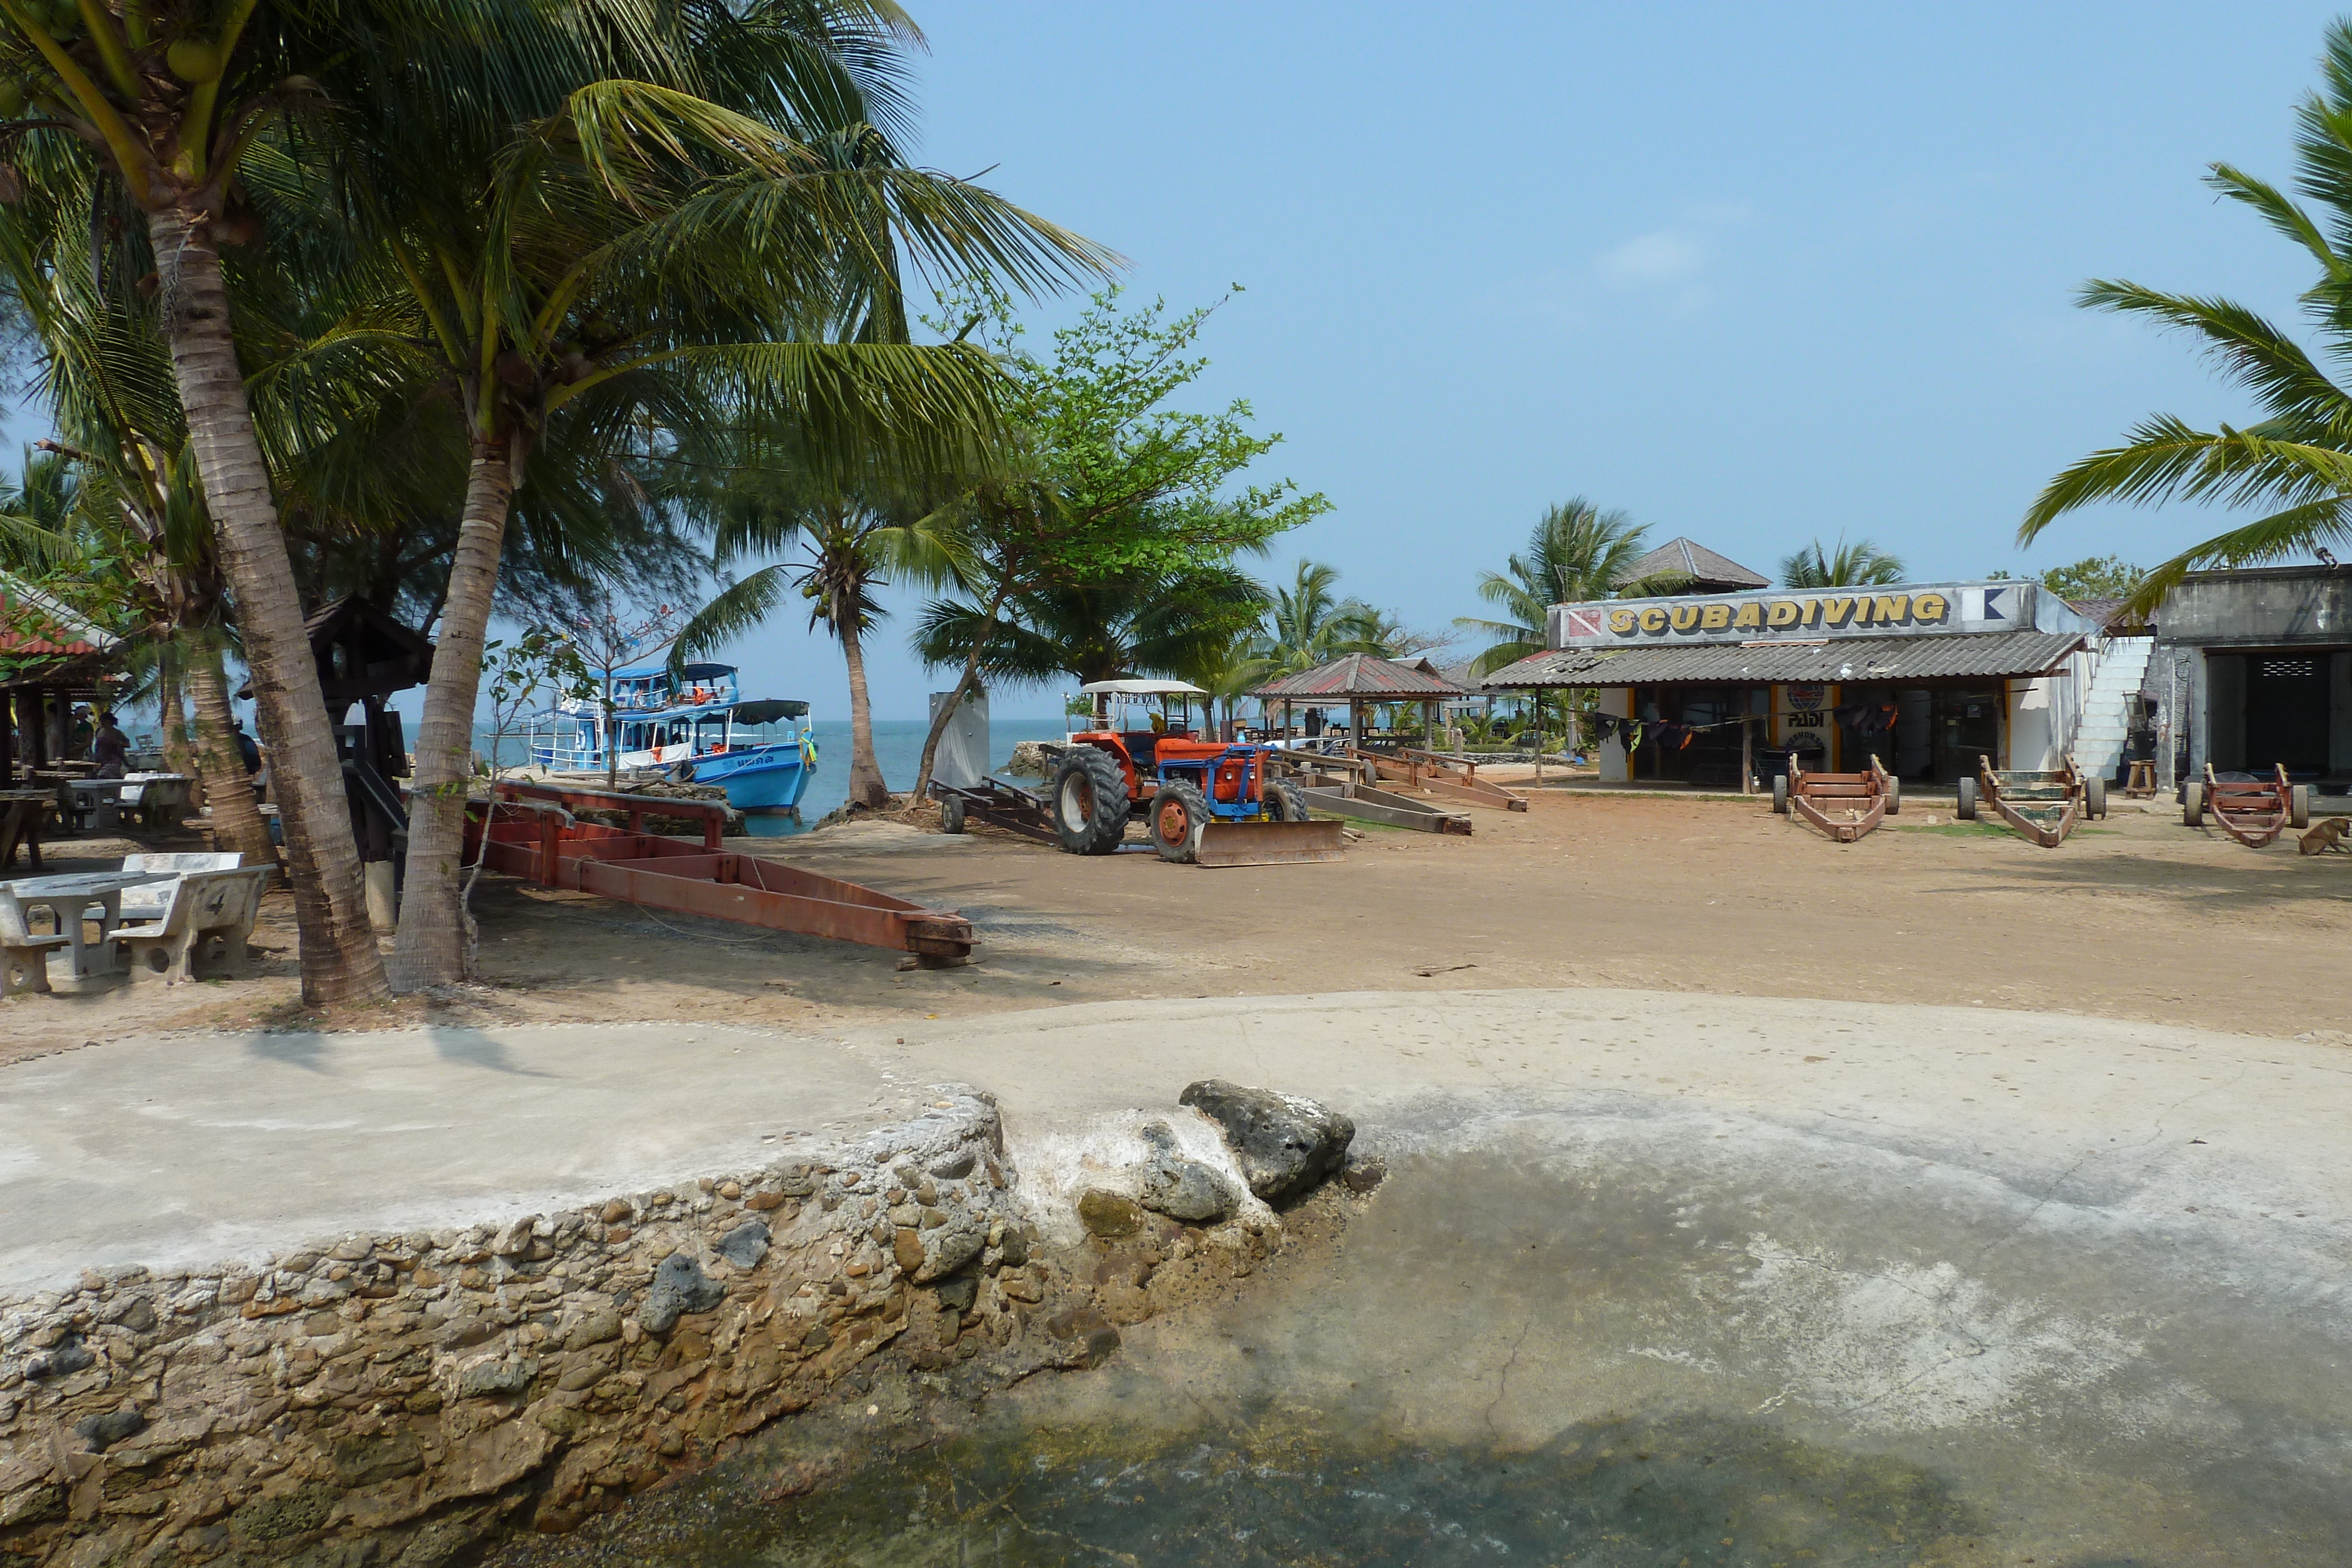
x=897, y=748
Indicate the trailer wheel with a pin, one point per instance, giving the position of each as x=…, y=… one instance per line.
x=1178, y=815
x=2192, y=805
x=2298, y=807
x=1966, y=811
x=1893, y=795
x=1780, y=795
x=2095, y=797
x=951, y=814
x=1089, y=801
x=1284, y=802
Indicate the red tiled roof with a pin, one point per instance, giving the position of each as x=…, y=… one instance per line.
x=32, y=622
x=1364, y=677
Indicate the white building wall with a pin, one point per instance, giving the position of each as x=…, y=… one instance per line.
x=1615, y=768
x=2033, y=737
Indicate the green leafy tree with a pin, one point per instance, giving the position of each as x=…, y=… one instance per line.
x=1139, y=623
x=2293, y=460
x=1101, y=481
x=1861, y=564
x=2096, y=577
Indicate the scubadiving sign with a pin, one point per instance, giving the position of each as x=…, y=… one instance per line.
x=1806, y=617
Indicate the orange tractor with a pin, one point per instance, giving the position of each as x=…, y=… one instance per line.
x=1202, y=802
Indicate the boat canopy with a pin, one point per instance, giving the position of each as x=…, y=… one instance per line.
x=1144, y=688
x=691, y=672
x=768, y=710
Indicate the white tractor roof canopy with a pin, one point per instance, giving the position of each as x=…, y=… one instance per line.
x=1144, y=688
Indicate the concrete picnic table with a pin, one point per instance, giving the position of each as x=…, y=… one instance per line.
x=68, y=898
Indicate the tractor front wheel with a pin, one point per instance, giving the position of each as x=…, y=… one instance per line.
x=1089, y=801
x=1177, y=814
x=1284, y=802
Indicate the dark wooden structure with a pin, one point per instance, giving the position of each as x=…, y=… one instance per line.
x=50, y=659
x=1843, y=806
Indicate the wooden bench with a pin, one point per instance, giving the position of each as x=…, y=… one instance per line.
x=199, y=922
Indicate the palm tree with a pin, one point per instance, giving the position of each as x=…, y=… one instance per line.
x=1137, y=623
x=641, y=257
x=2295, y=460
x=1575, y=553
x=850, y=544
x=1857, y=565
x=1309, y=624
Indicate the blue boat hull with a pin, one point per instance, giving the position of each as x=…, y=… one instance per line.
x=759, y=778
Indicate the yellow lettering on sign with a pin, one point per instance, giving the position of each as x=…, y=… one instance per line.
x=1653, y=620
x=1715, y=617
x=1836, y=610
x=1750, y=617
x=1621, y=620
x=1684, y=616
x=1784, y=612
x=1812, y=610
x=1891, y=608
x=1930, y=609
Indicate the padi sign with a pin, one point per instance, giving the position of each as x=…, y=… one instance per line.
x=1810, y=616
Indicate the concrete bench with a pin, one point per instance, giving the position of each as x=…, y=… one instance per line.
x=24, y=957
x=206, y=915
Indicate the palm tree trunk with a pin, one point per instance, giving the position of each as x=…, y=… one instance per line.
x=866, y=786
x=229, y=788
x=970, y=678
x=434, y=947
x=171, y=708
x=340, y=962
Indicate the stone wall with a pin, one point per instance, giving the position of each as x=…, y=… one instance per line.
x=394, y=1398
x=400, y=1400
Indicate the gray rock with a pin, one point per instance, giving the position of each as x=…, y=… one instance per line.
x=948, y=1248
x=69, y=1357
x=465, y=1330
x=955, y=1166
x=1283, y=1144
x=680, y=1287
x=745, y=1245
x=514, y=1241
x=957, y=1295
x=102, y=1432
x=487, y=1378
x=1179, y=1187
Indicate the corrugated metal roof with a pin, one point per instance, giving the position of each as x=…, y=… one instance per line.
x=1804, y=664
x=1363, y=677
x=1685, y=557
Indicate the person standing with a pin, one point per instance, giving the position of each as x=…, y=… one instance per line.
x=110, y=748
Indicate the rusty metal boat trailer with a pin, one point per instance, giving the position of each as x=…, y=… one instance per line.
x=1843, y=806
x=2252, y=811
x=543, y=843
x=2041, y=806
x=1000, y=803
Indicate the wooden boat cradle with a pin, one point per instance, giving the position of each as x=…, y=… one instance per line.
x=1844, y=806
x=534, y=837
x=1440, y=776
x=2041, y=806
x=2254, y=812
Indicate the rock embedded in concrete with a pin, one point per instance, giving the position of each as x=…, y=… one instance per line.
x=745, y=1245
x=1179, y=1187
x=680, y=1287
x=100, y=1433
x=1283, y=1144
x=1108, y=1214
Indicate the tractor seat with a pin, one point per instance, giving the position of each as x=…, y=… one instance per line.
x=1184, y=749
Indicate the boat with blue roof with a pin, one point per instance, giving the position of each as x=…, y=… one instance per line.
x=693, y=723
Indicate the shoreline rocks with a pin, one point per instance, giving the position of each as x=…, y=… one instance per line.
x=1283, y=1144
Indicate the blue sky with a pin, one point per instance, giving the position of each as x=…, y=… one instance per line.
x=1751, y=272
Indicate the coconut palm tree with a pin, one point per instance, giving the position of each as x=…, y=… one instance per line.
x=1309, y=624
x=1136, y=624
x=2295, y=459
x=1575, y=553
x=849, y=542
x=1861, y=564
x=641, y=261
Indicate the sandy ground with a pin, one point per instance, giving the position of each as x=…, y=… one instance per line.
x=2135, y=917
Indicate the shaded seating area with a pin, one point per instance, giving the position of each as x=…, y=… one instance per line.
x=173, y=915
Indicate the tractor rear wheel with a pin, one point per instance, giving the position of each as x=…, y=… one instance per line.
x=1284, y=802
x=1177, y=814
x=1089, y=801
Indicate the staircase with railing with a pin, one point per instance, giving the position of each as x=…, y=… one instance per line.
x=2107, y=710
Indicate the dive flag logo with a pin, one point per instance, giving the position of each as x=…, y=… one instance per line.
x=1586, y=622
